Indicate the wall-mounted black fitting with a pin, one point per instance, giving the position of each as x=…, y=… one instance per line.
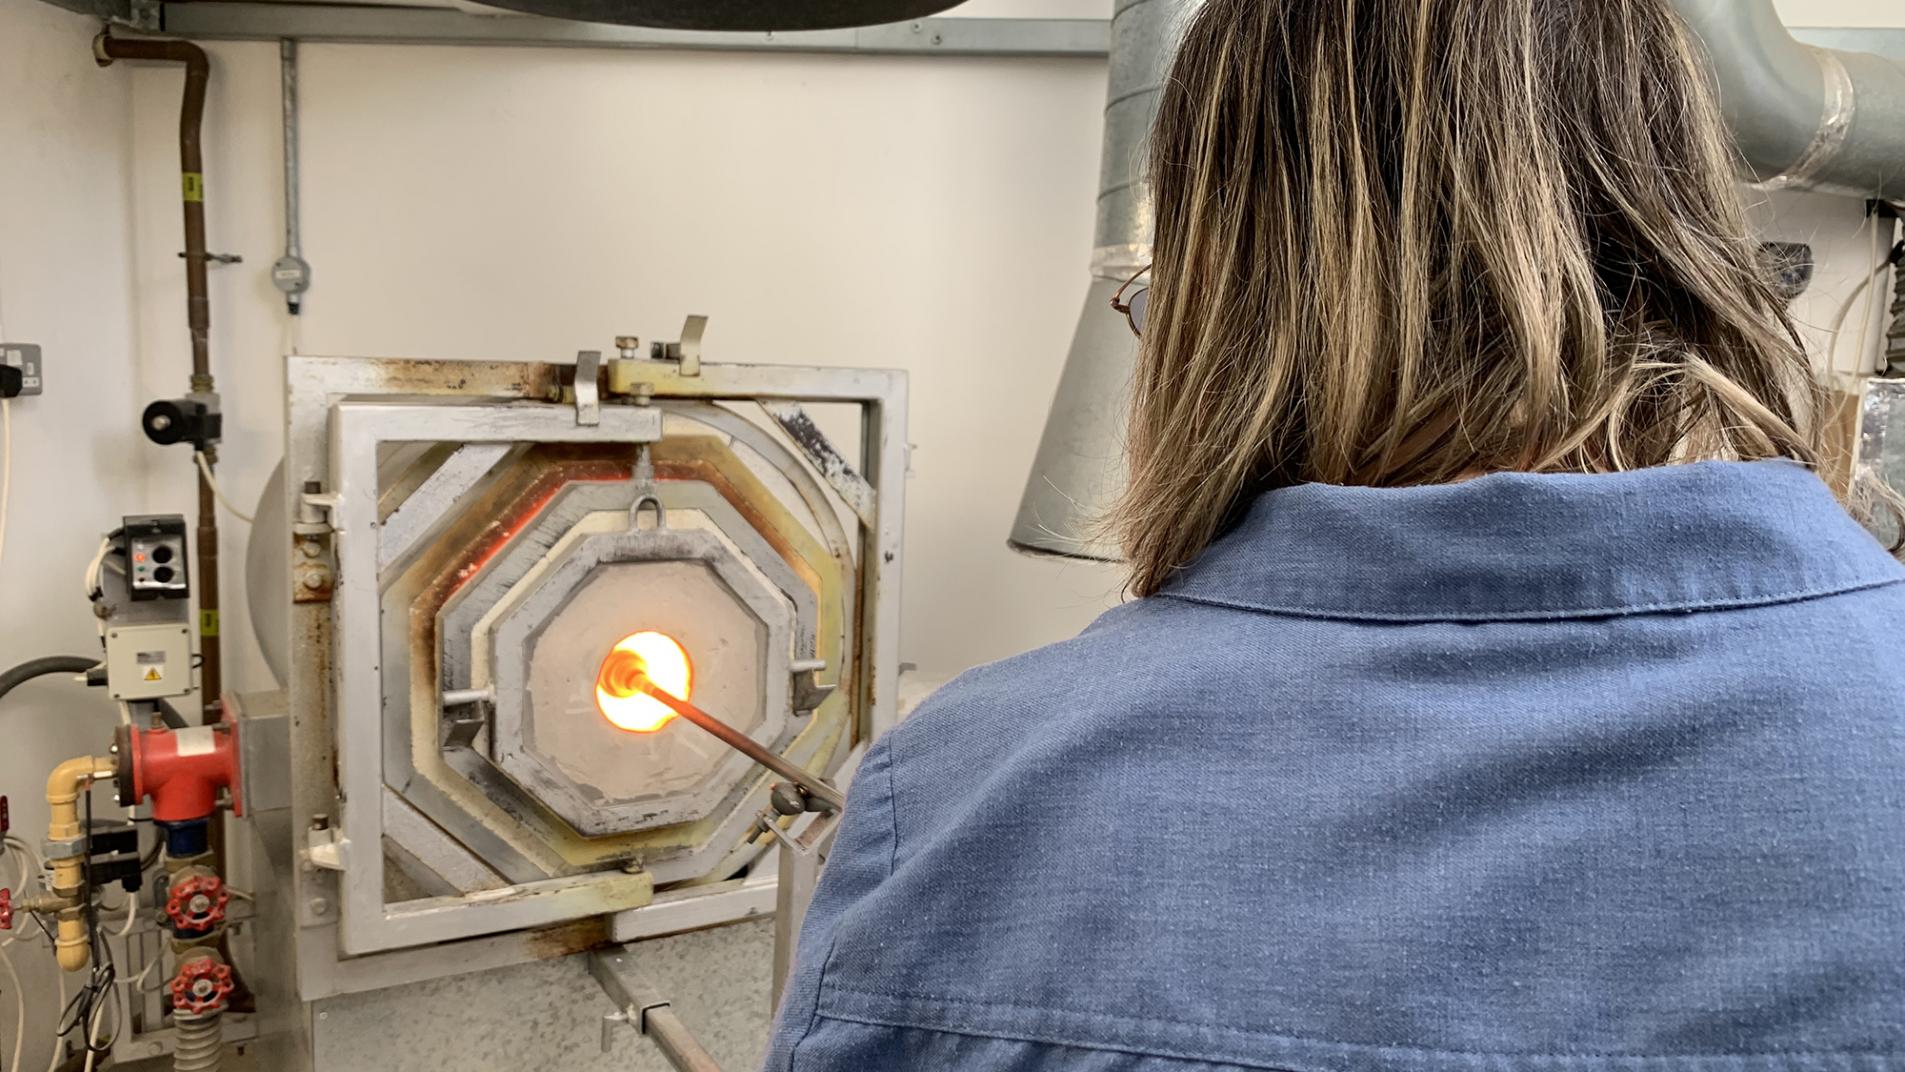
x=183, y=420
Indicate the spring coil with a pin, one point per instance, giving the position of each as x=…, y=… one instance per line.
x=200, y=1042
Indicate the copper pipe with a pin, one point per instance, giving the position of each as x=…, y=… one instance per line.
x=198, y=317
x=806, y=780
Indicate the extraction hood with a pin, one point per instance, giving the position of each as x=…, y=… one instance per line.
x=736, y=15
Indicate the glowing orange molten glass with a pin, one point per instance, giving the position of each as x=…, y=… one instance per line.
x=661, y=658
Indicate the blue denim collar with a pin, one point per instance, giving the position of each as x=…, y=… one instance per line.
x=1517, y=546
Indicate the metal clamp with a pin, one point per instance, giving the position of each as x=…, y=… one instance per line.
x=687, y=352
x=216, y=258
x=809, y=691
x=588, y=388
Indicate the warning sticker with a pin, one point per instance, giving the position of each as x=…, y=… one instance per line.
x=151, y=665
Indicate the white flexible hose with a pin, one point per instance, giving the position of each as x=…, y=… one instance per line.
x=92, y=568
x=132, y=914
x=1863, y=291
x=53, y=1062
x=6, y=467
x=19, y=1005
x=205, y=472
x=92, y=1036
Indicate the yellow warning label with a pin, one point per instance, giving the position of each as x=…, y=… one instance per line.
x=155, y=673
x=194, y=186
x=208, y=623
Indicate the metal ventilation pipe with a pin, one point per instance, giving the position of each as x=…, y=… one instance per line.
x=1806, y=118
x=1079, y=469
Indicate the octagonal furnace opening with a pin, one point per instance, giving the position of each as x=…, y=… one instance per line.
x=565, y=725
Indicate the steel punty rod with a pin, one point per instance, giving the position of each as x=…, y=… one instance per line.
x=744, y=744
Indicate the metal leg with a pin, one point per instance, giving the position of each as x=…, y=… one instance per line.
x=643, y=1007
x=800, y=860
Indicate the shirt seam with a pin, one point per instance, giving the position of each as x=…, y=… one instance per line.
x=1271, y=1036
x=892, y=804
x=1533, y=614
x=1031, y=1039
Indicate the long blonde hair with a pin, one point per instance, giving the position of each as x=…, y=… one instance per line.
x=1409, y=241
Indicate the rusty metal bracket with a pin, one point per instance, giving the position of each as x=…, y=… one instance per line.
x=314, y=567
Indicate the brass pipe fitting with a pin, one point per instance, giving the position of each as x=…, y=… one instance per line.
x=72, y=946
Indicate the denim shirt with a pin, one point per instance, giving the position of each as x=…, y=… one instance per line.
x=1544, y=773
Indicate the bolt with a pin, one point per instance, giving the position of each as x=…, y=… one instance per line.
x=153, y=1049
x=308, y=868
x=314, y=579
x=324, y=1016
x=319, y=906
x=160, y=422
x=310, y=548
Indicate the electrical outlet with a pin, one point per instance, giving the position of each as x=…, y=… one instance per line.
x=24, y=356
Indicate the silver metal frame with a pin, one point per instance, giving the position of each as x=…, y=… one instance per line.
x=347, y=938
x=363, y=23
x=512, y=739
x=388, y=24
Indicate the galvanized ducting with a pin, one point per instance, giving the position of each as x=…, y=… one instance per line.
x=736, y=15
x=1079, y=467
x=1805, y=118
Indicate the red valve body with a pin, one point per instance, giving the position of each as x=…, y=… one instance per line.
x=181, y=770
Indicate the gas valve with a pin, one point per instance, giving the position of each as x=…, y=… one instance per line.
x=201, y=986
x=196, y=903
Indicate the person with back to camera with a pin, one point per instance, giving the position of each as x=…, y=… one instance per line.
x=1505, y=692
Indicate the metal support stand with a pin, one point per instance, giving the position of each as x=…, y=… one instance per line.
x=641, y=1006
x=637, y=1001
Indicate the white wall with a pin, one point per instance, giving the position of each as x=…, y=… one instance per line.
x=932, y=214
x=1841, y=12
x=78, y=457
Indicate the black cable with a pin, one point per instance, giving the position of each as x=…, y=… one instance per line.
x=79, y=1011
x=51, y=664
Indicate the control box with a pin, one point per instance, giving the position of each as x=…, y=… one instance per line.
x=148, y=662
x=154, y=548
